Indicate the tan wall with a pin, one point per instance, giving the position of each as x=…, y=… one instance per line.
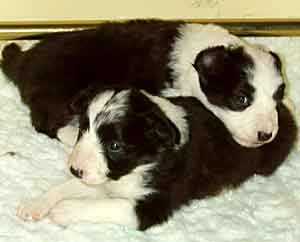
x=55, y=10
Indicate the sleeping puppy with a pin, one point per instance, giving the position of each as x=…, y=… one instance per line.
x=235, y=80
x=138, y=158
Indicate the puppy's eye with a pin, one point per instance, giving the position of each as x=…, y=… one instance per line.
x=243, y=100
x=115, y=147
x=240, y=102
x=115, y=151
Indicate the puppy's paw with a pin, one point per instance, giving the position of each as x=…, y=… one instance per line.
x=67, y=212
x=33, y=210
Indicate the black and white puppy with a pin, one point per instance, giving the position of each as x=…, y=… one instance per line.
x=139, y=158
x=237, y=81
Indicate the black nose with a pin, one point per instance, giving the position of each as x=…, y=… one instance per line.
x=263, y=136
x=77, y=173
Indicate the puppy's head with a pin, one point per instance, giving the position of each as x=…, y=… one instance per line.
x=242, y=86
x=119, y=132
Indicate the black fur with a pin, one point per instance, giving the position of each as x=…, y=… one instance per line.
x=49, y=75
x=209, y=162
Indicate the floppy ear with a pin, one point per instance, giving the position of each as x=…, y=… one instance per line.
x=219, y=64
x=159, y=128
x=167, y=132
x=82, y=99
x=210, y=64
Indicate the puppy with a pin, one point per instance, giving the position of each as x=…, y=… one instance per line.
x=138, y=158
x=237, y=81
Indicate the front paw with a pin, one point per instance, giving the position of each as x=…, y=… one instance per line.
x=66, y=212
x=33, y=210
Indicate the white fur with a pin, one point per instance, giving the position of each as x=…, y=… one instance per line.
x=244, y=125
x=88, y=156
x=75, y=201
x=116, y=210
x=133, y=185
x=99, y=103
x=106, y=108
x=40, y=207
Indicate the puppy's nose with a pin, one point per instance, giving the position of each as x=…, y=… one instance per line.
x=78, y=173
x=263, y=136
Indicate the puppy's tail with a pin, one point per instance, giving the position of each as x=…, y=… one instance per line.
x=11, y=59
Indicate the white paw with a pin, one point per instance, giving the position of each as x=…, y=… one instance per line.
x=66, y=212
x=33, y=210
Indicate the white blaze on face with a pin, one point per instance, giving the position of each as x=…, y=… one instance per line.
x=88, y=153
x=88, y=157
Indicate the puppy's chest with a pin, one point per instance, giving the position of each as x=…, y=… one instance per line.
x=132, y=186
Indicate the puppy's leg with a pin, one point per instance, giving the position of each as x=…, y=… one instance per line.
x=111, y=210
x=74, y=188
x=48, y=113
x=46, y=122
x=68, y=135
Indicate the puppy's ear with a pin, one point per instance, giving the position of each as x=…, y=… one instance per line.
x=216, y=64
x=210, y=64
x=82, y=99
x=158, y=127
x=164, y=130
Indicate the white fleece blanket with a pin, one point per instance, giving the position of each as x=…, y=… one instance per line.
x=262, y=210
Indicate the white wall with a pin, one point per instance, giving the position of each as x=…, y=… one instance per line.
x=55, y=10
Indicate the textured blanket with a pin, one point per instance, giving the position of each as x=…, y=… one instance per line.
x=262, y=210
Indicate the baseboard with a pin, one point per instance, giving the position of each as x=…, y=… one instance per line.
x=242, y=27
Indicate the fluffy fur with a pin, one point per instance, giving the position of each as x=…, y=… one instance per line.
x=139, y=158
x=235, y=80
